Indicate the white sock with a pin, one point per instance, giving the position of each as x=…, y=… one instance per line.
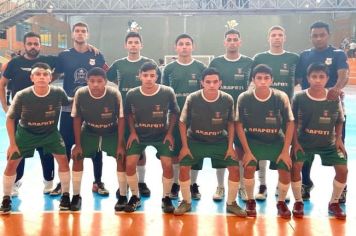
x=232, y=191
x=76, y=182
x=8, y=182
x=121, y=179
x=262, y=172
x=297, y=190
x=337, y=191
x=176, y=173
x=249, y=185
x=220, y=175
x=282, y=191
x=194, y=176
x=167, y=186
x=133, y=184
x=64, y=178
x=141, y=170
x=185, y=189
x=242, y=171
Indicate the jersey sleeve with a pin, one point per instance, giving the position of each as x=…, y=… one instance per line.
x=341, y=116
x=76, y=105
x=173, y=105
x=14, y=111
x=127, y=108
x=119, y=102
x=239, y=107
x=166, y=74
x=231, y=114
x=112, y=72
x=8, y=73
x=341, y=60
x=186, y=113
x=287, y=111
x=295, y=105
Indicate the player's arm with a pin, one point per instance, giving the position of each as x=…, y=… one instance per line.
x=285, y=156
x=338, y=138
x=133, y=134
x=120, y=140
x=3, y=85
x=10, y=126
x=230, y=135
x=185, y=151
x=77, y=150
x=248, y=156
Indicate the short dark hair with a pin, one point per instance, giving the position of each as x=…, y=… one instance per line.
x=31, y=35
x=96, y=71
x=320, y=24
x=210, y=71
x=261, y=68
x=148, y=66
x=133, y=34
x=232, y=31
x=316, y=67
x=80, y=24
x=184, y=36
x=41, y=65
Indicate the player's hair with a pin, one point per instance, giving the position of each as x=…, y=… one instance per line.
x=317, y=67
x=184, y=36
x=210, y=71
x=31, y=35
x=80, y=24
x=148, y=66
x=96, y=71
x=261, y=68
x=232, y=31
x=133, y=34
x=41, y=65
x=320, y=24
x=276, y=27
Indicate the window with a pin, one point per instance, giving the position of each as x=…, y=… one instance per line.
x=46, y=37
x=62, y=40
x=3, y=34
x=21, y=29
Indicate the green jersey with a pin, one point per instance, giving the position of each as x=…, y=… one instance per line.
x=207, y=120
x=283, y=69
x=99, y=114
x=183, y=78
x=316, y=119
x=235, y=74
x=263, y=120
x=126, y=73
x=38, y=114
x=150, y=112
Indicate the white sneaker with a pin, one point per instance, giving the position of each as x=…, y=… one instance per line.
x=287, y=197
x=243, y=194
x=48, y=185
x=15, y=188
x=219, y=194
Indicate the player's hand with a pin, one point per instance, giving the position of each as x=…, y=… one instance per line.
x=248, y=157
x=120, y=152
x=77, y=152
x=185, y=151
x=296, y=147
x=13, y=150
x=231, y=153
x=132, y=137
x=340, y=146
x=91, y=48
x=169, y=138
x=333, y=94
x=285, y=157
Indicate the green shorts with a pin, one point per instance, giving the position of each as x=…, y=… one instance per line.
x=27, y=143
x=329, y=156
x=215, y=151
x=177, y=141
x=92, y=143
x=267, y=151
x=162, y=148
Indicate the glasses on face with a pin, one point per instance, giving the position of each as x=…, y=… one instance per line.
x=34, y=44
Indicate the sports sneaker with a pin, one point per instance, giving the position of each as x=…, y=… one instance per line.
x=219, y=194
x=262, y=193
x=194, y=191
x=298, y=209
x=15, y=188
x=100, y=188
x=5, y=205
x=236, y=209
x=118, y=193
x=64, y=204
x=342, y=198
x=174, y=191
x=121, y=203
x=57, y=190
x=287, y=199
x=306, y=189
x=133, y=204
x=183, y=207
x=76, y=203
x=167, y=205
x=243, y=194
x=251, y=208
x=283, y=210
x=48, y=185
x=337, y=211
x=144, y=190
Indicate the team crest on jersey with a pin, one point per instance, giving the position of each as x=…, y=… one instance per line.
x=137, y=77
x=157, y=113
x=217, y=119
x=284, y=71
x=107, y=114
x=328, y=61
x=91, y=61
x=193, y=81
x=271, y=118
x=239, y=74
x=325, y=119
x=50, y=112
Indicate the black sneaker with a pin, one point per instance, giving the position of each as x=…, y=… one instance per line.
x=174, y=191
x=76, y=203
x=64, y=205
x=342, y=198
x=144, y=190
x=5, y=205
x=118, y=193
x=306, y=189
x=133, y=204
x=167, y=205
x=121, y=203
x=194, y=191
x=57, y=190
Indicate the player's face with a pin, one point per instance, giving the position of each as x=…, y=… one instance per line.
x=41, y=77
x=184, y=47
x=317, y=79
x=276, y=38
x=80, y=35
x=96, y=84
x=148, y=78
x=211, y=84
x=262, y=80
x=319, y=38
x=133, y=45
x=32, y=47
x=232, y=42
